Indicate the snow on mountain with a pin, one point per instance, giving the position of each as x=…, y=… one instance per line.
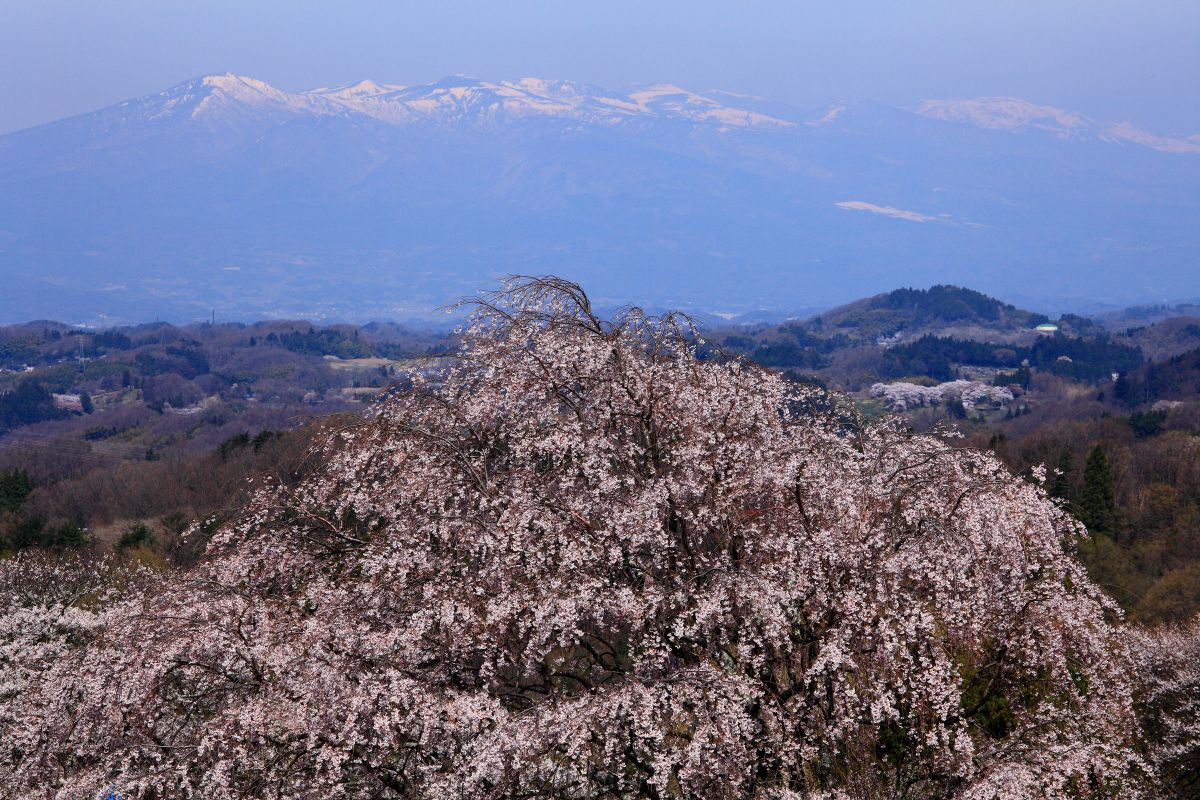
x=457, y=99
x=1007, y=113
x=214, y=95
x=1014, y=114
x=362, y=89
x=226, y=89
x=887, y=211
x=1164, y=144
x=672, y=100
x=462, y=99
x=831, y=114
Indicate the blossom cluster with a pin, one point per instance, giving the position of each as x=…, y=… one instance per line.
x=902, y=396
x=1168, y=668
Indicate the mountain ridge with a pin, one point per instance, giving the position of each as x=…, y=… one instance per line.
x=375, y=200
x=1014, y=114
x=401, y=103
x=451, y=99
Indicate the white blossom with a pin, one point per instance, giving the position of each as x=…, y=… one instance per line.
x=901, y=396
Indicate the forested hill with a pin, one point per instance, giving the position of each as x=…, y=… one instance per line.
x=896, y=316
x=1176, y=379
x=933, y=333
x=924, y=310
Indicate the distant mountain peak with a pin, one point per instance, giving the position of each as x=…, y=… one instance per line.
x=465, y=99
x=243, y=89
x=1015, y=114
x=363, y=198
x=230, y=82
x=214, y=97
x=1006, y=113
x=461, y=98
x=364, y=88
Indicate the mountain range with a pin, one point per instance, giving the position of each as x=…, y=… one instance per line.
x=226, y=195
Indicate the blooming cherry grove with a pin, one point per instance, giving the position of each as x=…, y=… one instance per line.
x=582, y=563
x=900, y=396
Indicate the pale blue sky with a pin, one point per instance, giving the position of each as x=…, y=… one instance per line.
x=1112, y=60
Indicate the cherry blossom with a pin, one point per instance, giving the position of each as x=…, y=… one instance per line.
x=583, y=563
x=901, y=396
x=1168, y=661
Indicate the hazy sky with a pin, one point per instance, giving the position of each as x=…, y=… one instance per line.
x=1135, y=59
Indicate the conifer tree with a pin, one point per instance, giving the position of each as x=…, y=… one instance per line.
x=15, y=486
x=1059, y=484
x=1098, y=506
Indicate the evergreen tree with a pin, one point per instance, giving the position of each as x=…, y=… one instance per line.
x=15, y=486
x=136, y=535
x=1098, y=506
x=26, y=404
x=1059, y=484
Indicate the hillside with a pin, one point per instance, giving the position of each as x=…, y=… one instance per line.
x=154, y=424
x=935, y=333
x=1144, y=315
x=1166, y=337
x=103, y=431
x=907, y=314
x=1174, y=379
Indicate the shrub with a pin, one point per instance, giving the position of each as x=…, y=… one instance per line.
x=136, y=535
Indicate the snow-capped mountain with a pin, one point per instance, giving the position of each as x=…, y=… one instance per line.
x=453, y=100
x=458, y=99
x=218, y=99
x=381, y=200
x=1013, y=114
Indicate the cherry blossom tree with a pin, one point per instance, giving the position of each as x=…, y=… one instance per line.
x=583, y=563
x=51, y=604
x=1169, y=681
